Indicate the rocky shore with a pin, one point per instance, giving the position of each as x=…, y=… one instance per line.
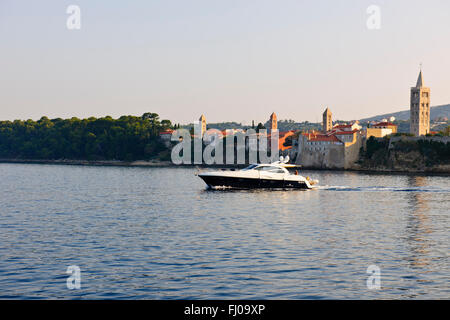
x=438, y=169
x=140, y=163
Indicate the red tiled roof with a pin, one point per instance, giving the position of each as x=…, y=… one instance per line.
x=322, y=137
x=384, y=124
x=346, y=132
x=342, y=126
x=286, y=133
x=282, y=139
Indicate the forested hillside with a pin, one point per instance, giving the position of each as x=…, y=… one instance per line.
x=406, y=154
x=126, y=138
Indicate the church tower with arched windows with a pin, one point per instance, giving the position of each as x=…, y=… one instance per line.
x=420, y=108
x=273, y=123
x=327, y=122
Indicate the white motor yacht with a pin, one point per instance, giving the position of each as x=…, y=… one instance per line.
x=274, y=175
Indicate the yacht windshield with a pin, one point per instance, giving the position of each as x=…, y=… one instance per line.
x=270, y=169
x=250, y=167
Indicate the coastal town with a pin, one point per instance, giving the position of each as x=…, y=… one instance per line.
x=339, y=145
x=225, y=159
x=416, y=141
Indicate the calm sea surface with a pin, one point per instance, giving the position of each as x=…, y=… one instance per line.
x=158, y=233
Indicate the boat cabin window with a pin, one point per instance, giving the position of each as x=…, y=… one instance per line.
x=270, y=169
x=250, y=167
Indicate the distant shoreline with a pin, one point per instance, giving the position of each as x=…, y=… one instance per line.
x=156, y=163
x=116, y=163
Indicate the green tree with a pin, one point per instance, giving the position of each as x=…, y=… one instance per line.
x=128, y=137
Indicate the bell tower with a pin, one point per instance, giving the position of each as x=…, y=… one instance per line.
x=327, y=122
x=202, y=124
x=273, y=121
x=420, y=108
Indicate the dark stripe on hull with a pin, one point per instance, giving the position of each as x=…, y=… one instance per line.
x=247, y=183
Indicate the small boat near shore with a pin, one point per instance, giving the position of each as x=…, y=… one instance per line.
x=274, y=175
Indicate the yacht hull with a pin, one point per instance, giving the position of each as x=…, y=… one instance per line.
x=252, y=183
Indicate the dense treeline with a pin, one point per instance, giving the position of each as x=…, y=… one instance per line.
x=127, y=138
x=405, y=153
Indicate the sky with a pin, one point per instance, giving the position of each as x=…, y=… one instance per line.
x=231, y=60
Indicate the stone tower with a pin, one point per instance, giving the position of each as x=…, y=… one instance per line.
x=203, y=124
x=327, y=122
x=420, y=108
x=273, y=122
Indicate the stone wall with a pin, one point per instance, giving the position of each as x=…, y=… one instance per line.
x=329, y=156
x=352, y=151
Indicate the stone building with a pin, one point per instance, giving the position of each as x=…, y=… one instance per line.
x=385, y=125
x=273, y=124
x=381, y=129
x=337, y=149
x=420, y=108
x=327, y=122
x=347, y=127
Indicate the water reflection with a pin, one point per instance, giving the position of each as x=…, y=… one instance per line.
x=163, y=235
x=418, y=224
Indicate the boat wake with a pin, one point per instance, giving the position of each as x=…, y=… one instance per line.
x=383, y=189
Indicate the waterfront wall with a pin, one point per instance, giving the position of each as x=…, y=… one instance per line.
x=329, y=156
x=352, y=150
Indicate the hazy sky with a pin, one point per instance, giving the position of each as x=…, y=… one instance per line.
x=232, y=60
